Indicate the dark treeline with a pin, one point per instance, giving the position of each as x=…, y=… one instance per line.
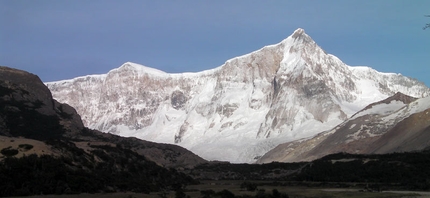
x=407, y=170
x=228, y=171
x=227, y=194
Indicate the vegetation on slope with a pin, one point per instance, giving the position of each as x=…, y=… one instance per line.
x=106, y=169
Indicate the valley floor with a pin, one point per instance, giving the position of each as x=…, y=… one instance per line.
x=234, y=187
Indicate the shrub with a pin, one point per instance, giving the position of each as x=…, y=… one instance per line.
x=9, y=152
x=207, y=193
x=26, y=146
x=249, y=186
x=225, y=194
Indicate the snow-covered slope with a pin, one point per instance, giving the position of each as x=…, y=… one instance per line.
x=238, y=111
x=397, y=124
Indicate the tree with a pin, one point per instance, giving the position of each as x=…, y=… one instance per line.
x=207, y=193
x=276, y=193
x=428, y=24
x=179, y=193
x=225, y=194
x=249, y=186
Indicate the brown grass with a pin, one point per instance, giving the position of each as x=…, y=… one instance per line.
x=39, y=148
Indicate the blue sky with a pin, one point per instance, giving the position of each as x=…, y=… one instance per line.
x=64, y=39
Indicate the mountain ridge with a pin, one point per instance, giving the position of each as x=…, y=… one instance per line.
x=397, y=124
x=239, y=110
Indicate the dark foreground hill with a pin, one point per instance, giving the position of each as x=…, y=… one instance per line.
x=45, y=148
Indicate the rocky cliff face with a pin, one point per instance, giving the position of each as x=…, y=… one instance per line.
x=28, y=111
x=238, y=111
x=397, y=124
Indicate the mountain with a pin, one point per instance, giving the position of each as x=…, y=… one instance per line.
x=46, y=149
x=397, y=124
x=238, y=111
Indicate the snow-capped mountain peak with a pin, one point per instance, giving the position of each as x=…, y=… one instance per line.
x=238, y=111
x=300, y=36
x=141, y=69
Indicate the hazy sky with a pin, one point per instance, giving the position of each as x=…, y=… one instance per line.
x=65, y=39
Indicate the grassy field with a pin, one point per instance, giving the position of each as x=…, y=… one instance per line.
x=234, y=187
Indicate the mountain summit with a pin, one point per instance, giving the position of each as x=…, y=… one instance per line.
x=300, y=35
x=238, y=111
